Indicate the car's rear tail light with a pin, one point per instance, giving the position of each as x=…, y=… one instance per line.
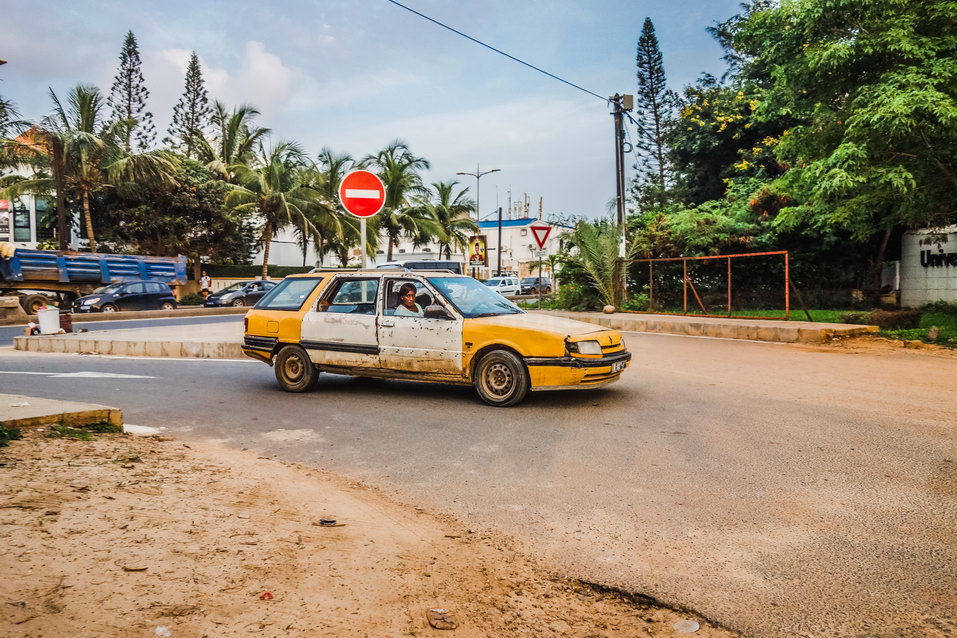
x=245, y=324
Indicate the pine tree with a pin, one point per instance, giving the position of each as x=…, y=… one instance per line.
x=128, y=99
x=191, y=115
x=654, y=105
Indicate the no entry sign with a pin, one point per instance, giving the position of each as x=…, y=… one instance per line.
x=362, y=193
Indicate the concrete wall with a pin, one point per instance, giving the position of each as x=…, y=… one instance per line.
x=929, y=266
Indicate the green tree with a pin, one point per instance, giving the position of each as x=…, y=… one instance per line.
x=399, y=170
x=234, y=140
x=86, y=156
x=273, y=187
x=653, y=107
x=185, y=215
x=446, y=216
x=128, y=100
x=191, y=115
x=591, y=253
x=873, y=87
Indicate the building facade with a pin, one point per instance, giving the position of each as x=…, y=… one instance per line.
x=928, y=268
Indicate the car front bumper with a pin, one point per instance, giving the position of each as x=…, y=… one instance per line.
x=562, y=373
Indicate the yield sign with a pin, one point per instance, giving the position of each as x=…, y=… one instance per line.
x=541, y=234
x=362, y=193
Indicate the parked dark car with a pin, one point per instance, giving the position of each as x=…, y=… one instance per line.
x=128, y=295
x=531, y=285
x=242, y=293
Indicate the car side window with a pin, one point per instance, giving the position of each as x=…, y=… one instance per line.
x=133, y=289
x=354, y=296
x=393, y=299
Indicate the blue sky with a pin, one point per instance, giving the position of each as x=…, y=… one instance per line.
x=354, y=75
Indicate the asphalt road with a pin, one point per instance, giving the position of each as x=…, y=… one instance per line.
x=778, y=490
x=7, y=333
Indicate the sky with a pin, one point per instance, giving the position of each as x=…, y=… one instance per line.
x=354, y=75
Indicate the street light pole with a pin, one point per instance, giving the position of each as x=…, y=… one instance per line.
x=478, y=209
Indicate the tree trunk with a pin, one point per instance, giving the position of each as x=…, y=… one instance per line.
x=62, y=229
x=388, y=256
x=266, y=239
x=88, y=219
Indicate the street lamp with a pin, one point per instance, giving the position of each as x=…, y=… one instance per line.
x=478, y=176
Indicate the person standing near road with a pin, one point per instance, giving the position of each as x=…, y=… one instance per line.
x=204, y=283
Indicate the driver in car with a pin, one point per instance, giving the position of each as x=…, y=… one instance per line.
x=407, y=306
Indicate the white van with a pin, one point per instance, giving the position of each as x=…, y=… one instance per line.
x=505, y=286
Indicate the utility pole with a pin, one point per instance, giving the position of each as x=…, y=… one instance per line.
x=621, y=104
x=498, y=271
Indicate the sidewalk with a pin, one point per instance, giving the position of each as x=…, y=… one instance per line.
x=218, y=341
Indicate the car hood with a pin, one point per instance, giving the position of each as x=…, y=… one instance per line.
x=559, y=326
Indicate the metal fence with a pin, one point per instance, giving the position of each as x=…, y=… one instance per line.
x=717, y=286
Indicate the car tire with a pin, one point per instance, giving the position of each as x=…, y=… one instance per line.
x=501, y=378
x=167, y=305
x=548, y=290
x=108, y=307
x=294, y=370
x=237, y=303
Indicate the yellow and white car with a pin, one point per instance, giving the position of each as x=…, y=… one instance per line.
x=459, y=332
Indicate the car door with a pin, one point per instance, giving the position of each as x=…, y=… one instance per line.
x=131, y=297
x=341, y=329
x=155, y=294
x=256, y=294
x=429, y=346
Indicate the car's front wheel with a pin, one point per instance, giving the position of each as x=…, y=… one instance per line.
x=294, y=370
x=501, y=378
x=238, y=302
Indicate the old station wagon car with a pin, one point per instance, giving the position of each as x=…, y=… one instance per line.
x=423, y=326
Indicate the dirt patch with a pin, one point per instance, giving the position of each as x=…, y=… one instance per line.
x=147, y=536
x=870, y=344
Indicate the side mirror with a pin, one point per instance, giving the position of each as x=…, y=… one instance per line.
x=437, y=312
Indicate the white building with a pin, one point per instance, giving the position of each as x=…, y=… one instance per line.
x=21, y=220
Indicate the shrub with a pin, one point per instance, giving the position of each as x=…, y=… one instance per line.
x=8, y=434
x=192, y=299
x=638, y=302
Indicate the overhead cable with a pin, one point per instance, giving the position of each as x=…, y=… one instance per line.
x=487, y=46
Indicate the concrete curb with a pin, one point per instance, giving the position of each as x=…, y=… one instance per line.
x=100, y=344
x=752, y=330
x=193, y=311
x=41, y=412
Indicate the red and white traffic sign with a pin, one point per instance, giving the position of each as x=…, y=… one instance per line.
x=362, y=193
x=541, y=234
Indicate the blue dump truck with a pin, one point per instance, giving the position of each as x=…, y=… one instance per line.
x=57, y=277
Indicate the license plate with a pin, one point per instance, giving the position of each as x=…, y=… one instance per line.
x=618, y=366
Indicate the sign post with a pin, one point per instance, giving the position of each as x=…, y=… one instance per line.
x=541, y=233
x=363, y=194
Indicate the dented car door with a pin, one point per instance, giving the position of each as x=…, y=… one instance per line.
x=341, y=329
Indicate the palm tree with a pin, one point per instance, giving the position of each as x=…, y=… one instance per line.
x=399, y=170
x=234, y=141
x=447, y=216
x=274, y=186
x=85, y=155
x=593, y=247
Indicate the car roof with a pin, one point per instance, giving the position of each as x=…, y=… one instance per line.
x=377, y=272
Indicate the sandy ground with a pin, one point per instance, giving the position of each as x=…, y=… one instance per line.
x=148, y=536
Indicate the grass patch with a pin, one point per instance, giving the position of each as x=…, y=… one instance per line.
x=83, y=433
x=9, y=434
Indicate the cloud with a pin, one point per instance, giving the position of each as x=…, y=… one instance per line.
x=263, y=80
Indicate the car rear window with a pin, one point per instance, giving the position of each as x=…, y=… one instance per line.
x=289, y=294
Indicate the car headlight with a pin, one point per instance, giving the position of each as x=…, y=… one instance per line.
x=585, y=347
x=87, y=302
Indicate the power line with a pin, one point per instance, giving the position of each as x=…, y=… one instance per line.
x=487, y=46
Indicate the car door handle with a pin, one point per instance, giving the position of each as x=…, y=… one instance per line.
x=387, y=323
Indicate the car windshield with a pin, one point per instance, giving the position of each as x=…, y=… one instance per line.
x=236, y=286
x=472, y=299
x=530, y=280
x=109, y=289
x=494, y=281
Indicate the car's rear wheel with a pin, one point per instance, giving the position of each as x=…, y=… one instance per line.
x=501, y=378
x=167, y=305
x=108, y=307
x=294, y=371
x=238, y=302
x=548, y=290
